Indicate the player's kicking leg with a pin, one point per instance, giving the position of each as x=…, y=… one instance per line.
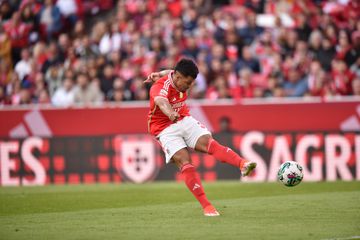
x=225, y=154
x=192, y=180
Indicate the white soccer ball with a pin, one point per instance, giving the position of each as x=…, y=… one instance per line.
x=290, y=173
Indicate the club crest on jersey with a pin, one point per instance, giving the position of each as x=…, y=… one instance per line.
x=181, y=95
x=138, y=162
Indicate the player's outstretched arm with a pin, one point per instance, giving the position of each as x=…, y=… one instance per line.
x=166, y=108
x=153, y=77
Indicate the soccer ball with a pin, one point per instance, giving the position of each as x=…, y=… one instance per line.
x=290, y=173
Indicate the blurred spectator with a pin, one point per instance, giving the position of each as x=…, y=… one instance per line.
x=24, y=96
x=5, y=46
x=86, y=92
x=191, y=49
x=110, y=40
x=50, y=20
x=5, y=72
x=251, y=30
x=291, y=39
x=28, y=13
x=79, y=29
x=116, y=94
x=343, y=46
x=68, y=9
x=13, y=90
x=225, y=129
x=355, y=68
x=64, y=43
x=353, y=54
x=39, y=54
x=5, y=10
x=218, y=89
x=23, y=67
x=315, y=40
x=107, y=79
x=225, y=125
x=341, y=77
x=2, y=96
x=278, y=92
x=248, y=61
x=199, y=88
x=64, y=96
x=38, y=88
x=53, y=77
x=356, y=86
x=325, y=54
x=316, y=79
x=52, y=57
x=245, y=87
x=43, y=97
x=273, y=88
x=303, y=28
x=19, y=35
x=295, y=85
x=86, y=49
x=138, y=90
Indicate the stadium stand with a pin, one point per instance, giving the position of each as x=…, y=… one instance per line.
x=69, y=51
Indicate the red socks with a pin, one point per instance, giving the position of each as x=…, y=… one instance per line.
x=193, y=182
x=225, y=154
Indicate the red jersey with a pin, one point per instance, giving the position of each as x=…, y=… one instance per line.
x=164, y=87
x=19, y=34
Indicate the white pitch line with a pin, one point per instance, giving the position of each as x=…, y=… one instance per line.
x=345, y=238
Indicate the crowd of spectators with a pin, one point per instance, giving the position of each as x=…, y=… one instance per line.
x=72, y=51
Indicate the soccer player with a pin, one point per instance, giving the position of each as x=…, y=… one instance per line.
x=170, y=122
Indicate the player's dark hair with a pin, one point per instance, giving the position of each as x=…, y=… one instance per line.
x=187, y=67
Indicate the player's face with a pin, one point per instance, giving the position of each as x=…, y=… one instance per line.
x=181, y=82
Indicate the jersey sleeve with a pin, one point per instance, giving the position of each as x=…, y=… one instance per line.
x=159, y=90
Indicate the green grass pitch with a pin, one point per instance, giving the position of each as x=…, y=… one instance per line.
x=166, y=210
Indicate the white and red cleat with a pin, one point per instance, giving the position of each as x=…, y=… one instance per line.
x=247, y=168
x=210, y=211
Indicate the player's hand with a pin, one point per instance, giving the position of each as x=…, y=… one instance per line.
x=153, y=77
x=174, y=116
